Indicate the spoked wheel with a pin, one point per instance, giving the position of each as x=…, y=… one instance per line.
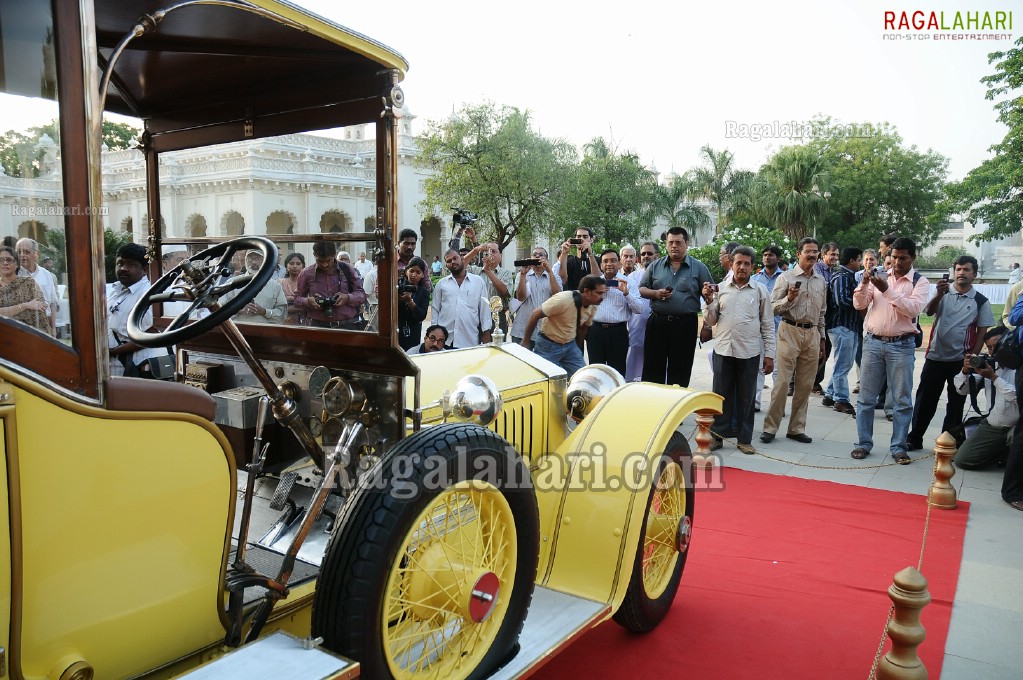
x=664, y=545
x=430, y=571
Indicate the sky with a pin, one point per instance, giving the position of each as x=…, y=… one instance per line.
x=662, y=79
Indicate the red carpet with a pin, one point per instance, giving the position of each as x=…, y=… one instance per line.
x=787, y=578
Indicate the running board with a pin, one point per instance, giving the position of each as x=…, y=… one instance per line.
x=554, y=621
x=276, y=656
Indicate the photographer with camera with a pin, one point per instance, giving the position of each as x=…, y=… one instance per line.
x=535, y=283
x=572, y=268
x=499, y=280
x=989, y=443
x=331, y=292
x=413, y=303
x=463, y=222
x=962, y=316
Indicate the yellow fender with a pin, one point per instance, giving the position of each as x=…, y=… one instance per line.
x=593, y=490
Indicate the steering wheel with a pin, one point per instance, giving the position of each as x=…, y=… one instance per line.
x=201, y=281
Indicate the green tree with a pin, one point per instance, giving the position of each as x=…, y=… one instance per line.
x=111, y=242
x=490, y=160
x=993, y=191
x=756, y=237
x=791, y=188
x=22, y=156
x=878, y=185
x=676, y=203
x=720, y=182
x=612, y=193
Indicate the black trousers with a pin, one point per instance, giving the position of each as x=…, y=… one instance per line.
x=738, y=377
x=608, y=344
x=934, y=376
x=1012, y=482
x=668, y=349
x=822, y=363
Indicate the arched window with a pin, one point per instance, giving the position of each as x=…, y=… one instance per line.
x=195, y=225
x=280, y=222
x=33, y=229
x=335, y=222
x=232, y=224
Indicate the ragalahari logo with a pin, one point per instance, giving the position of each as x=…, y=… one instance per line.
x=942, y=25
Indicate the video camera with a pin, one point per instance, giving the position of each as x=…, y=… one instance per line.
x=405, y=287
x=978, y=361
x=464, y=217
x=528, y=262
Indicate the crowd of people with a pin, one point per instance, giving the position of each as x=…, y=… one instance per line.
x=639, y=312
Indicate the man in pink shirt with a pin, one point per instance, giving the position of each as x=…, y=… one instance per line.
x=895, y=298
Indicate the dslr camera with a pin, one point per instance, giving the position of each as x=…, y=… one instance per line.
x=326, y=304
x=464, y=217
x=978, y=361
x=405, y=287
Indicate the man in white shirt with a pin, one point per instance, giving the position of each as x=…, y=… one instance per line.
x=127, y=358
x=269, y=305
x=1016, y=274
x=637, y=322
x=743, y=317
x=363, y=265
x=608, y=339
x=989, y=443
x=28, y=254
x=460, y=305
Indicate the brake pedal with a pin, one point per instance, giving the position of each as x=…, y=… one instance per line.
x=280, y=497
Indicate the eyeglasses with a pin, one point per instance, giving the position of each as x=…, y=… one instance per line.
x=7, y=260
x=646, y=254
x=435, y=339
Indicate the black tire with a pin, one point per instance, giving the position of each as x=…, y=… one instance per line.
x=362, y=571
x=640, y=612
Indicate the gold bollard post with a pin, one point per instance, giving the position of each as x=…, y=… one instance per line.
x=703, y=459
x=941, y=494
x=909, y=593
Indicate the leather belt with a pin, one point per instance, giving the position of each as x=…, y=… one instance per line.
x=893, y=338
x=346, y=323
x=797, y=324
x=555, y=341
x=610, y=325
x=671, y=317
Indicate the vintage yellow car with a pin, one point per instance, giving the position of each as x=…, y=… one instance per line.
x=312, y=498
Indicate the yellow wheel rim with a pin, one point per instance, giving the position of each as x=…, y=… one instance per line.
x=449, y=588
x=667, y=530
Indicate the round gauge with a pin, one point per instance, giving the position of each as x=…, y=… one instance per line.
x=315, y=426
x=333, y=428
x=317, y=380
x=337, y=396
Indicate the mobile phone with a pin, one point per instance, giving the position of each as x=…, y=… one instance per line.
x=799, y=284
x=613, y=283
x=575, y=241
x=668, y=288
x=944, y=277
x=713, y=287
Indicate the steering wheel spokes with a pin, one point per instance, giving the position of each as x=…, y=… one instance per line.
x=202, y=280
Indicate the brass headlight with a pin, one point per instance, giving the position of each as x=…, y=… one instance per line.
x=588, y=386
x=476, y=399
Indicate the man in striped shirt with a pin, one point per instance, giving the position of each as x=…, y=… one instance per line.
x=608, y=339
x=844, y=326
x=532, y=288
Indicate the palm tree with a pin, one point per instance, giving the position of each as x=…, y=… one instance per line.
x=794, y=186
x=676, y=203
x=719, y=182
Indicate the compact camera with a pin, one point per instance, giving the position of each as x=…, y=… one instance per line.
x=326, y=304
x=575, y=241
x=978, y=361
x=464, y=217
x=528, y=262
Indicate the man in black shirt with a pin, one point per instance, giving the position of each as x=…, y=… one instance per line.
x=571, y=268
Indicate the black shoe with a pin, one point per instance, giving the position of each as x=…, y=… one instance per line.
x=801, y=438
x=767, y=437
x=756, y=409
x=716, y=444
x=914, y=446
x=792, y=389
x=817, y=389
x=827, y=401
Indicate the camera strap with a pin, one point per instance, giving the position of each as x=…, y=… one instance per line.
x=974, y=388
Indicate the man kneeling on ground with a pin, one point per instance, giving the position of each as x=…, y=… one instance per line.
x=989, y=443
x=567, y=316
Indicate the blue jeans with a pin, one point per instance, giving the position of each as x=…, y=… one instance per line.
x=568, y=355
x=843, y=347
x=893, y=360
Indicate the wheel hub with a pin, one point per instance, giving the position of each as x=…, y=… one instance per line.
x=483, y=597
x=684, y=535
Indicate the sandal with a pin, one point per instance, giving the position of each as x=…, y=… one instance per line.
x=902, y=458
x=860, y=453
